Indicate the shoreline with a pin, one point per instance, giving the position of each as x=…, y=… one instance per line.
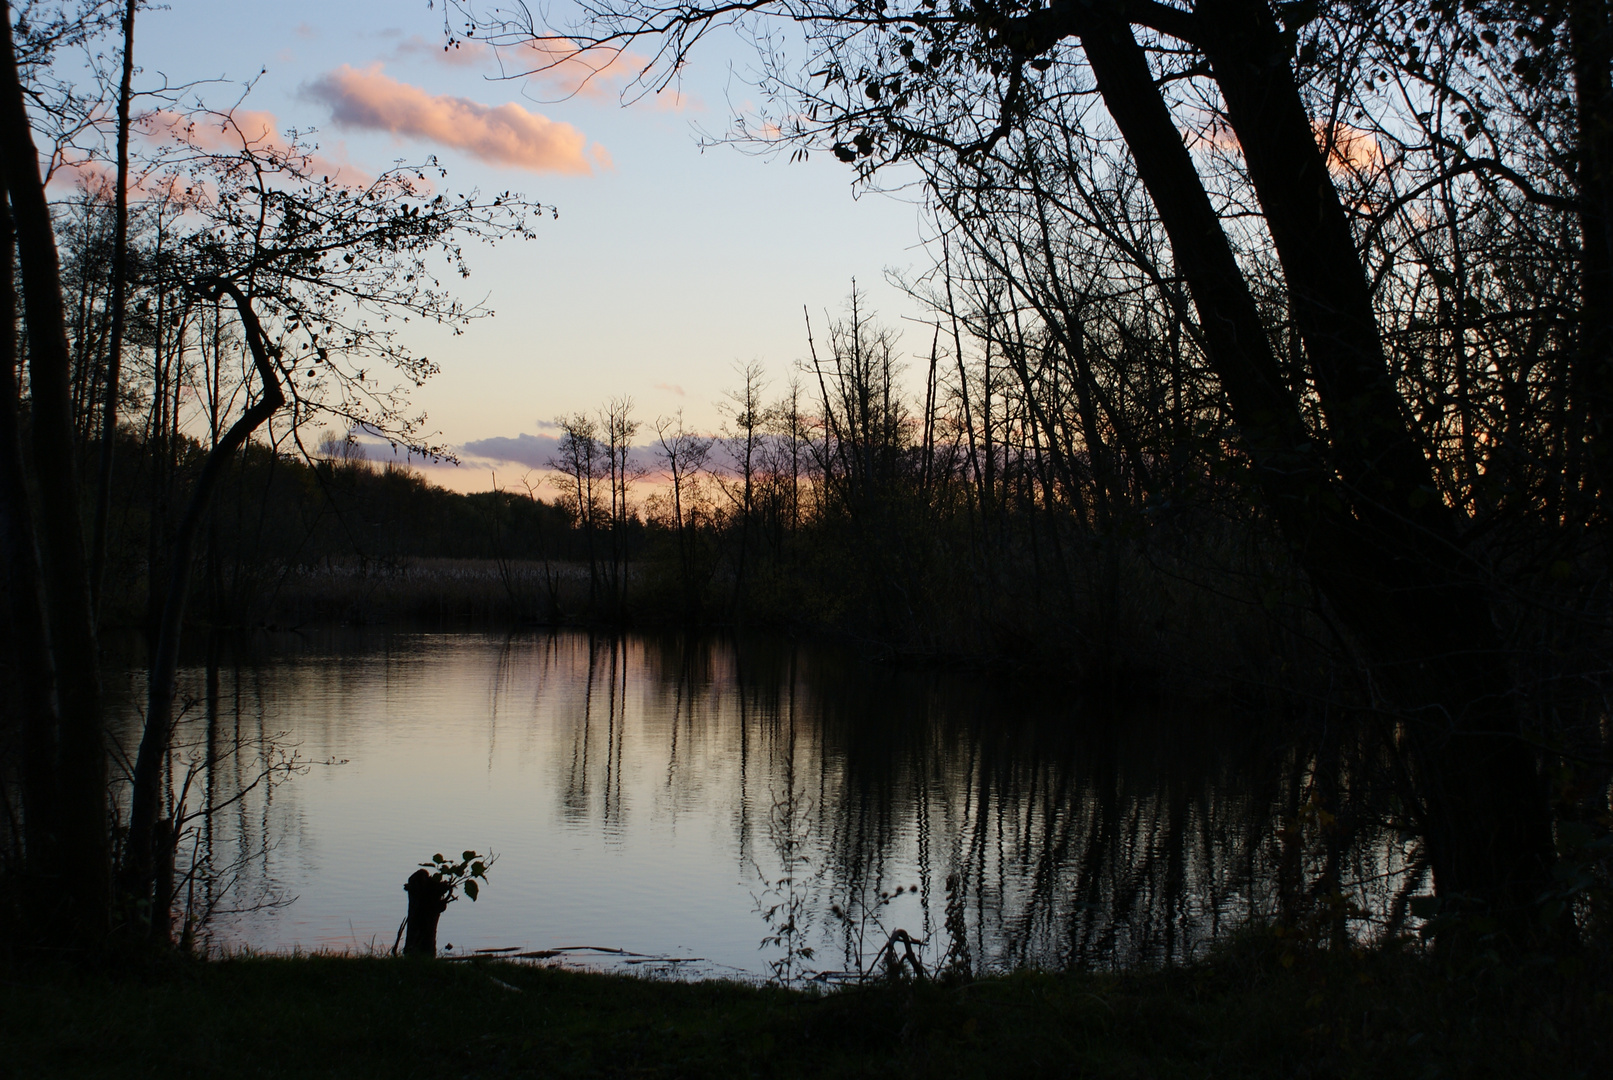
x=1266, y=1005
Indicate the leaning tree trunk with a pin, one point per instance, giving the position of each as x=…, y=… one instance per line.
x=142, y=858
x=1426, y=616
x=1362, y=513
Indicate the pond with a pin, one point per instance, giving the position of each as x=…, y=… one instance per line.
x=758, y=808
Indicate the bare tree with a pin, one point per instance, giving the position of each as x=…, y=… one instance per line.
x=685, y=455
x=578, y=460
x=745, y=414
x=622, y=471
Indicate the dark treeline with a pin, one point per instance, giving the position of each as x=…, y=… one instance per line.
x=965, y=518
x=280, y=521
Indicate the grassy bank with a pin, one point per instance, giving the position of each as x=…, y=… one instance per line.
x=1257, y=1010
x=444, y=591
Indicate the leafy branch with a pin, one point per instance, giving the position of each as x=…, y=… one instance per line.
x=467, y=873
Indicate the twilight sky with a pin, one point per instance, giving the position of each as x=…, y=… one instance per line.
x=668, y=265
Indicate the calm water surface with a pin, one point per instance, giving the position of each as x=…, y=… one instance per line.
x=712, y=804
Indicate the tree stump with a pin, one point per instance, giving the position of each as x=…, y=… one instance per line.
x=428, y=899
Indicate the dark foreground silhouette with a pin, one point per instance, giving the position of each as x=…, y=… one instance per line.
x=1267, y=1005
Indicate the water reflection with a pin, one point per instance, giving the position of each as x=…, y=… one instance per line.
x=693, y=797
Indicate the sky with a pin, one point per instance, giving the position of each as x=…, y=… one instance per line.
x=669, y=263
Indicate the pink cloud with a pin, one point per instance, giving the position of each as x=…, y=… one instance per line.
x=1349, y=149
x=568, y=69
x=90, y=173
x=565, y=68
x=96, y=175
x=497, y=134
x=559, y=67
x=461, y=54
x=253, y=127
x=674, y=100
x=671, y=388
x=243, y=128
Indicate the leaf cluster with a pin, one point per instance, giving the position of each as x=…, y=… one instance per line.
x=467, y=873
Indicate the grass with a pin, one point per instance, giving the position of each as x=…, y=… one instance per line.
x=1255, y=1010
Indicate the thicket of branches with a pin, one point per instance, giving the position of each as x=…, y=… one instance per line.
x=210, y=291
x=1329, y=281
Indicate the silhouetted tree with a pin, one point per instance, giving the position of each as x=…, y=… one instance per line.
x=315, y=270
x=578, y=461
x=685, y=455
x=1289, y=316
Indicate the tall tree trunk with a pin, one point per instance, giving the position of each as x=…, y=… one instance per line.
x=83, y=849
x=19, y=547
x=1590, y=25
x=120, y=288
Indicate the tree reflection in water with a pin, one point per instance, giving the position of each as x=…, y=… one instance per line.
x=643, y=788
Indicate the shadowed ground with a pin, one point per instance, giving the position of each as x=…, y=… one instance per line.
x=1260, y=1008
